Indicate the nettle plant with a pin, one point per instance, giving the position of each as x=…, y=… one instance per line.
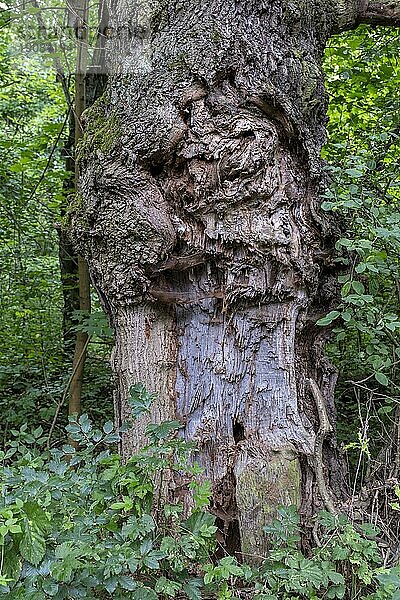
x=85, y=524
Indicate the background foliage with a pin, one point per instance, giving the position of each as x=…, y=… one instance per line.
x=363, y=151
x=34, y=368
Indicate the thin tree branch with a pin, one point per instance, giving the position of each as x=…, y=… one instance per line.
x=67, y=387
x=50, y=48
x=385, y=12
x=325, y=428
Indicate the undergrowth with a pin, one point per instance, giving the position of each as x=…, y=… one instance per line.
x=85, y=524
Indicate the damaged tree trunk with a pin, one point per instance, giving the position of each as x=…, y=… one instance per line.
x=199, y=217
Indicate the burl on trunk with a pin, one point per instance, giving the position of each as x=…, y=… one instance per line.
x=199, y=217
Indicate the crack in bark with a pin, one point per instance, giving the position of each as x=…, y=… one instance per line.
x=176, y=297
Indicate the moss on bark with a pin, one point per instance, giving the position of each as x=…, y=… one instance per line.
x=102, y=131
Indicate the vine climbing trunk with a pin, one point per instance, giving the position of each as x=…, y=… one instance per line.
x=199, y=216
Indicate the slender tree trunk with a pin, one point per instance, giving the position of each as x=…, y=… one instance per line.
x=82, y=338
x=66, y=252
x=200, y=181
x=67, y=258
x=90, y=84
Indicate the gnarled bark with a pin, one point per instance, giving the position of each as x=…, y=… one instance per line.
x=200, y=181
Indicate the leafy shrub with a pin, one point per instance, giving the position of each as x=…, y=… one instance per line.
x=362, y=75
x=85, y=524
x=345, y=564
x=82, y=524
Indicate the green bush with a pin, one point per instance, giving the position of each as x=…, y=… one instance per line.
x=85, y=524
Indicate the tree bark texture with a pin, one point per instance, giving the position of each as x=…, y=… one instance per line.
x=385, y=12
x=199, y=217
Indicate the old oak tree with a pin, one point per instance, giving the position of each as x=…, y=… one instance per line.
x=198, y=214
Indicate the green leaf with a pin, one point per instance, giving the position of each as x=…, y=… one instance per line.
x=354, y=173
x=144, y=593
x=85, y=423
x=336, y=591
x=163, y=430
x=145, y=547
x=381, y=378
x=336, y=577
x=327, y=320
x=360, y=268
x=12, y=562
x=358, y=287
x=108, y=427
x=37, y=516
x=33, y=545
x=111, y=584
x=140, y=400
x=391, y=577
x=192, y=588
x=346, y=288
x=151, y=561
x=167, y=587
x=127, y=583
x=50, y=587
